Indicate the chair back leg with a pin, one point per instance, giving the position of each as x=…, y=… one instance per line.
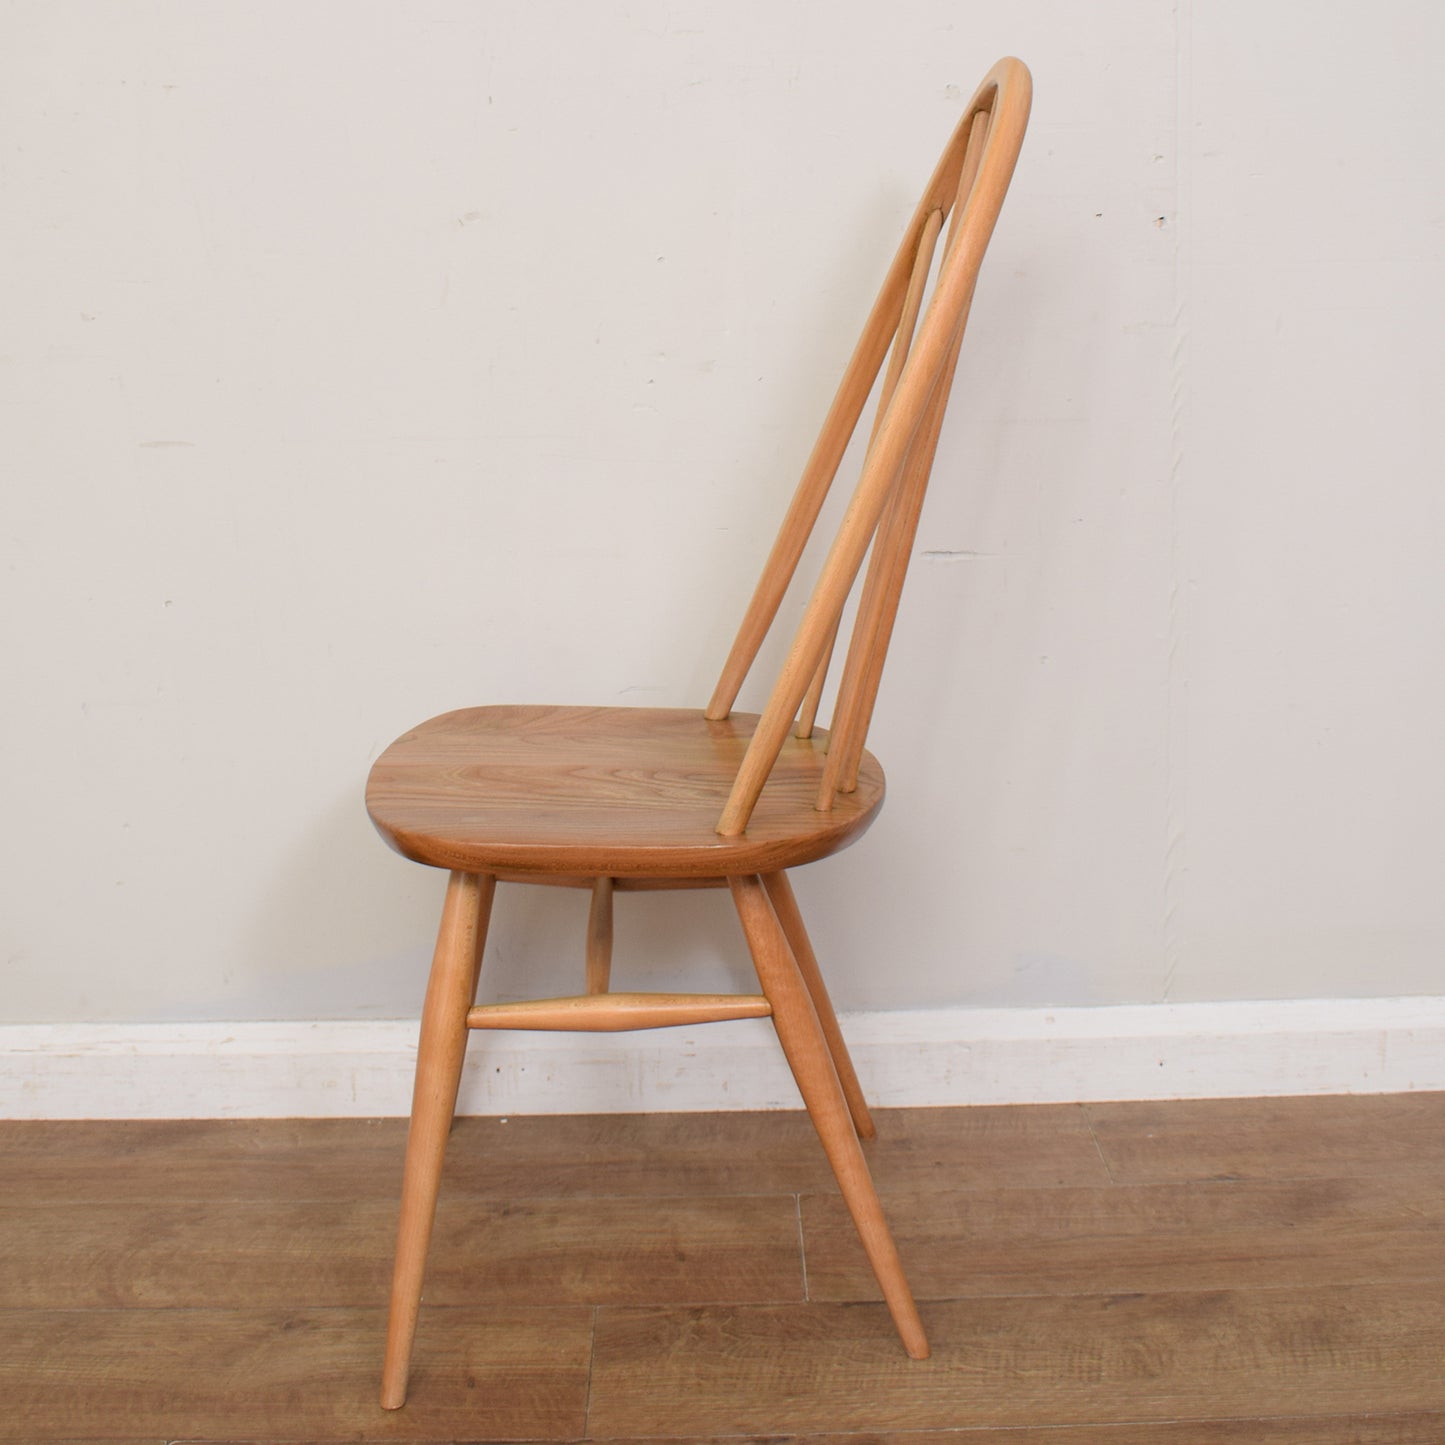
x=811, y=1061
x=785, y=905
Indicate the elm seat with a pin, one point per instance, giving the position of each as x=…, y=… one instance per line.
x=646, y=798
x=607, y=791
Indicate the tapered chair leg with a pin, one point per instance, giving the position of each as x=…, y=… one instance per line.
x=785, y=905
x=449, y=994
x=811, y=1061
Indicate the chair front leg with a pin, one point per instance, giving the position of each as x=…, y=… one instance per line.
x=811, y=1061
x=450, y=990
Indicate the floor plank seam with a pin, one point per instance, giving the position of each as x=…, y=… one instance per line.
x=1093, y=1134
x=802, y=1245
x=591, y=1365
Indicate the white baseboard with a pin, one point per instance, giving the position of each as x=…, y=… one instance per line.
x=946, y=1056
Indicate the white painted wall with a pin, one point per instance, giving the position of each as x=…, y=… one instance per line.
x=361, y=361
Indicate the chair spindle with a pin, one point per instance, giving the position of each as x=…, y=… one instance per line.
x=893, y=544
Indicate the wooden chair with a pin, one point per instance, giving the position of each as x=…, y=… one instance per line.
x=638, y=798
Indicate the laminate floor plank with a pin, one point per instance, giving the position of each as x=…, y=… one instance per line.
x=767, y=1153
x=264, y=1375
x=1240, y=1272
x=1288, y=1138
x=594, y=1155
x=1254, y=1234
x=1096, y=1360
x=170, y=1160
x=1315, y=1430
x=275, y=1256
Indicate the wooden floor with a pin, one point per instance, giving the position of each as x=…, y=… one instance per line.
x=1267, y=1272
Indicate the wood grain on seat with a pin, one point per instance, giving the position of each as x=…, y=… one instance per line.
x=603, y=791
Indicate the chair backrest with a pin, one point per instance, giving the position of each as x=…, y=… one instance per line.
x=967, y=190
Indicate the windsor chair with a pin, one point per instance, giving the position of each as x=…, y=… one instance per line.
x=615, y=799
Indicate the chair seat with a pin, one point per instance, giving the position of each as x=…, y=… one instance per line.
x=622, y=792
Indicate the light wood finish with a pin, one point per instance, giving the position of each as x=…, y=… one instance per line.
x=811, y=1061
x=601, y=792
x=785, y=905
x=893, y=542
x=874, y=624
x=646, y=798
x=599, y=937
x=209, y=1279
x=450, y=990
x=902, y=340
x=816, y=481
x=912, y=302
x=619, y=885
x=1005, y=95
x=615, y=1012
x=1008, y=77
x=808, y=714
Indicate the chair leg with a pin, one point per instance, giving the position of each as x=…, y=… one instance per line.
x=809, y=1057
x=449, y=993
x=599, y=937
x=785, y=905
